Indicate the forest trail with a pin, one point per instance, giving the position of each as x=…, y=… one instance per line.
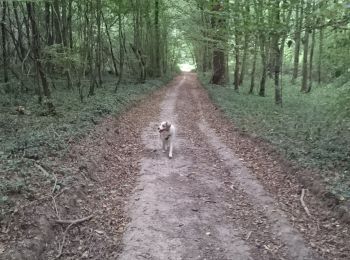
x=224, y=195
x=204, y=203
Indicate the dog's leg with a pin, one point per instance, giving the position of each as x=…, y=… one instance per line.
x=170, y=149
x=163, y=146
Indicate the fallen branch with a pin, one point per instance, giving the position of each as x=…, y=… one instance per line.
x=75, y=221
x=53, y=188
x=303, y=203
x=248, y=236
x=46, y=173
x=71, y=223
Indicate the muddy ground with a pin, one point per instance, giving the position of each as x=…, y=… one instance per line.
x=224, y=195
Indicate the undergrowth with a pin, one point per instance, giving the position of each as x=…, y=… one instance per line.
x=31, y=137
x=312, y=129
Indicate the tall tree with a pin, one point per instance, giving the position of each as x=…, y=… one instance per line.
x=218, y=22
x=252, y=74
x=238, y=34
x=121, y=42
x=157, y=38
x=36, y=49
x=312, y=47
x=99, y=41
x=261, y=28
x=299, y=16
x=305, y=71
x=4, y=41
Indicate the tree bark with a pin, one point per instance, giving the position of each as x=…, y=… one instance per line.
x=36, y=48
x=313, y=39
x=121, y=46
x=91, y=45
x=305, y=72
x=57, y=22
x=237, y=66
x=252, y=75
x=4, y=41
x=69, y=24
x=264, y=65
x=64, y=23
x=244, y=59
x=319, y=69
x=277, y=55
x=20, y=32
x=219, y=76
x=114, y=61
x=157, y=39
x=99, y=41
x=11, y=30
x=297, y=39
x=48, y=26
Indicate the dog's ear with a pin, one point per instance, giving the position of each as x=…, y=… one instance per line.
x=168, y=125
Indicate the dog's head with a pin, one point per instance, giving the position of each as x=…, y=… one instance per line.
x=164, y=126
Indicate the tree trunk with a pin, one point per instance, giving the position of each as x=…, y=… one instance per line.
x=19, y=31
x=4, y=41
x=203, y=56
x=91, y=45
x=246, y=13
x=48, y=27
x=252, y=77
x=263, y=75
x=244, y=59
x=138, y=55
x=57, y=22
x=305, y=72
x=319, y=69
x=99, y=41
x=219, y=76
x=313, y=39
x=64, y=23
x=297, y=39
x=157, y=39
x=264, y=65
x=237, y=67
x=270, y=56
x=114, y=61
x=12, y=31
x=121, y=46
x=36, y=53
x=69, y=24
x=277, y=55
x=278, y=90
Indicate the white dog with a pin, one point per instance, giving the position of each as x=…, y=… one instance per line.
x=167, y=135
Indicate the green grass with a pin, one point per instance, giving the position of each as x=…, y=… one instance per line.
x=312, y=129
x=27, y=138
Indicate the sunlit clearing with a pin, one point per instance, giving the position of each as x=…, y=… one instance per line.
x=186, y=67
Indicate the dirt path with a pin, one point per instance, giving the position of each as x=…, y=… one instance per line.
x=203, y=204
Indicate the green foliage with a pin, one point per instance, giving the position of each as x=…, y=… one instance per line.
x=313, y=129
x=342, y=102
x=32, y=137
x=337, y=54
x=61, y=58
